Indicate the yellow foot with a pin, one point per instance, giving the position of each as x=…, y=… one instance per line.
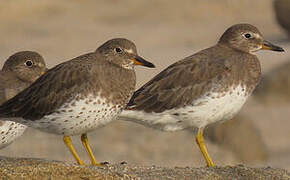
x=200, y=142
x=101, y=164
x=85, y=142
x=67, y=141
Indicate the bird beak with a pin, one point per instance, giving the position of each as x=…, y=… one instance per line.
x=269, y=46
x=43, y=72
x=137, y=60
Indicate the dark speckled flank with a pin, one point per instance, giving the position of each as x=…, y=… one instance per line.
x=217, y=69
x=106, y=73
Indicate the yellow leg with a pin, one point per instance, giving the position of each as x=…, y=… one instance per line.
x=85, y=141
x=68, y=143
x=200, y=143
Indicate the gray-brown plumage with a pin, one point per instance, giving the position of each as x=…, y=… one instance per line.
x=73, y=79
x=282, y=11
x=186, y=81
x=79, y=95
x=18, y=72
x=209, y=86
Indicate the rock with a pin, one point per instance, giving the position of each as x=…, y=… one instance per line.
x=241, y=136
x=25, y=168
x=282, y=11
x=275, y=85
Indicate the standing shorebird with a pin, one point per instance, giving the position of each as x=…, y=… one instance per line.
x=19, y=71
x=209, y=86
x=80, y=95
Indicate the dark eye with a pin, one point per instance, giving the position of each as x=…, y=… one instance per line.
x=247, y=35
x=28, y=63
x=118, y=50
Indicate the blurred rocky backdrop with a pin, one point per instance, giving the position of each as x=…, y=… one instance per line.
x=164, y=32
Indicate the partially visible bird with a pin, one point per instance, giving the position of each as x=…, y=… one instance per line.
x=19, y=71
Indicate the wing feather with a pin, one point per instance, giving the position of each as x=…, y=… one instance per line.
x=178, y=85
x=57, y=86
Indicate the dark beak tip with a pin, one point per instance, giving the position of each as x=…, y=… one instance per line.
x=278, y=49
x=281, y=50
x=144, y=62
x=151, y=65
x=273, y=47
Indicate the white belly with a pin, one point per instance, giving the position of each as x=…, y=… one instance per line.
x=78, y=117
x=9, y=131
x=204, y=111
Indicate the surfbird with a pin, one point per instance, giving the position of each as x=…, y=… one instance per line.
x=79, y=95
x=19, y=71
x=209, y=86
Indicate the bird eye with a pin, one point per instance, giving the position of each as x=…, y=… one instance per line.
x=247, y=35
x=28, y=63
x=118, y=50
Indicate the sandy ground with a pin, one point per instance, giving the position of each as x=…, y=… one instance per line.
x=164, y=32
x=26, y=168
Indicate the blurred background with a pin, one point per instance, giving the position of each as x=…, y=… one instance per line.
x=164, y=32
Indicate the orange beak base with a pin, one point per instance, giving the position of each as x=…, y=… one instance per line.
x=142, y=62
x=269, y=46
